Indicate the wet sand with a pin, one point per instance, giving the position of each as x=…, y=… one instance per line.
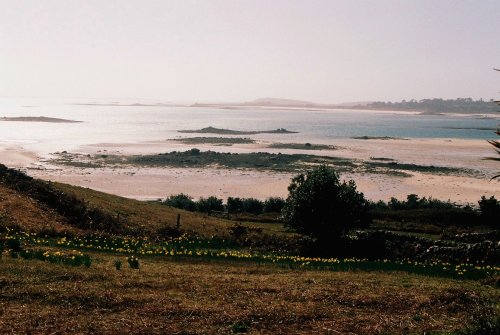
x=16, y=156
x=153, y=183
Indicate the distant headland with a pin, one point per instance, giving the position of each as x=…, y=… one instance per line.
x=424, y=106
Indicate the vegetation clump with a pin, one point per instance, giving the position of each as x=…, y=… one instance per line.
x=302, y=146
x=215, y=140
x=73, y=208
x=323, y=207
x=490, y=211
x=133, y=262
x=181, y=201
x=233, y=205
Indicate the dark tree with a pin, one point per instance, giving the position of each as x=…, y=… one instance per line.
x=252, y=205
x=181, y=201
x=322, y=207
x=496, y=145
x=209, y=204
x=274, y=205
x=490, y=211
x=234, y=205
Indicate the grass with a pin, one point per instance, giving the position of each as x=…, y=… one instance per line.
x=378, y=138
x=207, y=285
x=148, y=217
x=291, y=163
x=439, y=170
x=210, y=297
x=215, y=140
x=302, y=146
x=216, y=248
x=199, y=159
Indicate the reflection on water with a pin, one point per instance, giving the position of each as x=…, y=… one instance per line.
x=117, y=124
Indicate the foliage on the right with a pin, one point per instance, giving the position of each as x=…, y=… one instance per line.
x=323, y=207
x=496, y=144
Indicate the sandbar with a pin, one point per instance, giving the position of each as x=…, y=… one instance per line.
x=37, y=119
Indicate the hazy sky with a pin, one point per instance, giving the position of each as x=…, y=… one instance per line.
x=323, y=51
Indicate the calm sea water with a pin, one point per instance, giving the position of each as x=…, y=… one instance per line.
x=118, y=124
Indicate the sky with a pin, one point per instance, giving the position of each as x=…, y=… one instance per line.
x=234, y=50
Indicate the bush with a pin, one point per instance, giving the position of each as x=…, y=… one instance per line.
x=133, y=262
x=240, y=327
x=490, y=210
x=320, y=206
x=414, y=202
x=274, y=205
x=14, y=245
x=181, y=201
x=234, y=205
x=252, y=205
x=237, y=230
x=209, y=204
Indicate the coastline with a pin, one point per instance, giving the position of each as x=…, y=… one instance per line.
x=159, y=182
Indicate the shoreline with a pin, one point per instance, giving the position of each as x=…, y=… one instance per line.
x=152, y=183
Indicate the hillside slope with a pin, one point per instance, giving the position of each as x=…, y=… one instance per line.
x=43, y=207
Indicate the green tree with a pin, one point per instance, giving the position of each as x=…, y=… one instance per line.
x=274, y=205
x=234, y=205
x=496, y=144
x=490, y=210
x=252, y=205
x=181, y=201
x=209, y=204
x=322, y=207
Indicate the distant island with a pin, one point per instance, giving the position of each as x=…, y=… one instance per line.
x=37, y=119
x=219, y=131
x=424, y=106
x=378, y=138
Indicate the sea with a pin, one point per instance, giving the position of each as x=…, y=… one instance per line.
x=140, y=120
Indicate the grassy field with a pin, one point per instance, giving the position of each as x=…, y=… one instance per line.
x=64, y=278
x=190, y=296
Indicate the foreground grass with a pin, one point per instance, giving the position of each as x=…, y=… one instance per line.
x=218, y=297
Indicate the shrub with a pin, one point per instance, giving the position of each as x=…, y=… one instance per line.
x=14, y=245
x=234, y=205
x=181, y=201
x=133, y=262
x=274, y=205
x=118, y=264
x=194, y=151
x=319, y=205
x=252, y=205
x=240, y=327
x=209, y=204
x=414, y=202
x=490, y=210
x=238, y=230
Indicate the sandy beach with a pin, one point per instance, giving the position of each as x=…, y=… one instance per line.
x=154, y=183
